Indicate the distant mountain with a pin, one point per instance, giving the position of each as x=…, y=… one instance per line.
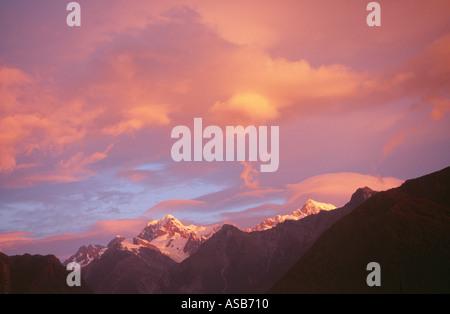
x=234, y=261
x=170, y=237
x=127, y=268
x=406, y=230
x=174, y=239
x=86, y=254
x=35, y=274
x=135, y=265
x=311, y=207
x=166, y=235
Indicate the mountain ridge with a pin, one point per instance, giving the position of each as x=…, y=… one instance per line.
x=404, y=229
x=169, y=236
x=311, y=207
x=235, y=261
x=36, y=274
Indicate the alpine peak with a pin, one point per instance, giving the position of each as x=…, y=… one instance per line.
x=311, y=207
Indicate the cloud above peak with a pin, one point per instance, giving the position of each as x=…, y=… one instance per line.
x=86, y=114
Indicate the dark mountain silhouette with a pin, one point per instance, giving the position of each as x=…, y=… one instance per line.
x=123, y=271
x=406, y=230
x=35, y=274
x=234, y=261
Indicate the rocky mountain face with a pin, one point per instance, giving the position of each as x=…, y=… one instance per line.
x=167, y=236
x=86, y=254
x=124, y=270
x=174, y=239
x=234, y=261
x=135, y=265
x=35, y=274
x=170, y=237
x=405, y=230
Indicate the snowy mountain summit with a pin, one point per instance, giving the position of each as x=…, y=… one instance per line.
x=86, y=254
x=311, y=207
x=174, y=239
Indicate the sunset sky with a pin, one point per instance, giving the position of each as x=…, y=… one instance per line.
x=86, y=113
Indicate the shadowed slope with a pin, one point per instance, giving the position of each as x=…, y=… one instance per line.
x=406, y=230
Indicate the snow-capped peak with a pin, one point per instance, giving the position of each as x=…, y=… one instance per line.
x=86, y=254
x=204, y=232
x=163, y=221
x=171, y=237
x=311, y=207
x=166, y=225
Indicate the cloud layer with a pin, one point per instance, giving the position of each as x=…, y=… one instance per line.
x=86, y=113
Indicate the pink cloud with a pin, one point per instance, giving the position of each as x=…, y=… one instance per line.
x=336, y=188
x=135, y=175
x=64, y=245
x=258, y=193
x=440, y=109
x=249, y=175
x=127, y=85
x=397, y=140
x=6, y=237
x=173, y=206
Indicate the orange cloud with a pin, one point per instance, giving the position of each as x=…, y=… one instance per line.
x=32, y=120
x=440, y=109
x=248, y=175
x=11, y=80
x=15, y=133
x=123, y=227
x=128, y=83
x=135, y=175
x=246, y=107
x=12, y=236
x=137, y=118
x=397, y=140
x=393, y=142
x=265, y=88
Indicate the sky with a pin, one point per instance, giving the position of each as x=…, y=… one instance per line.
x=86, y=113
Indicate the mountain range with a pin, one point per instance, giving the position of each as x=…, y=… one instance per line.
x=170, y=237
x=138, y=264
x=168, y=257
x=316, y=249
x=235, y=261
